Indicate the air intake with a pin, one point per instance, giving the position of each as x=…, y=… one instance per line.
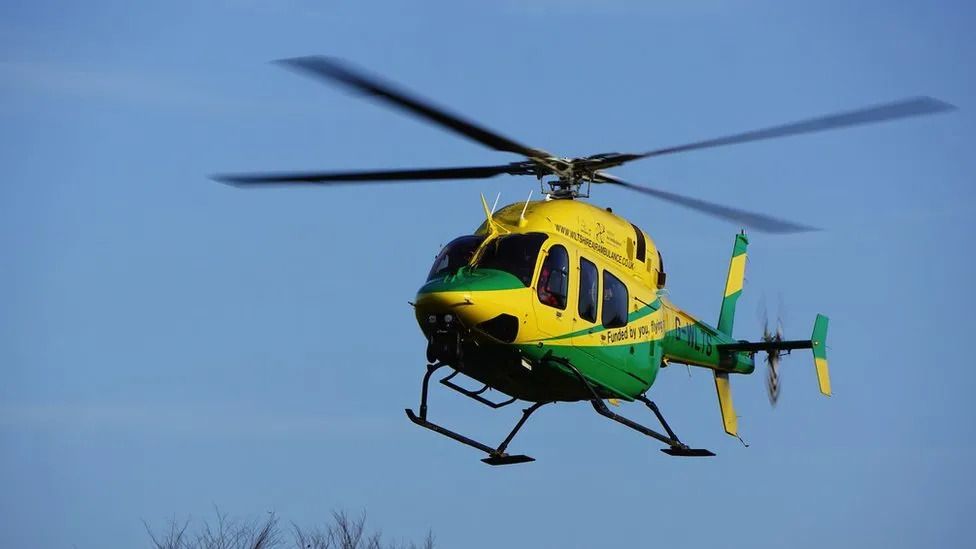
x=503, y=328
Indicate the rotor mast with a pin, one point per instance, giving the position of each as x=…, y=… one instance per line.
x=566, y=182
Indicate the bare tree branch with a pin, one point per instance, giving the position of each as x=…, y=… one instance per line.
x=342, y=532
x=173, y=538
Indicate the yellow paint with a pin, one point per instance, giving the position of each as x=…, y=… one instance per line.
x=724, y=391
x=823, y=375
x=737, y=272
x=585, y=231
x=473, y=308
x=598, y=234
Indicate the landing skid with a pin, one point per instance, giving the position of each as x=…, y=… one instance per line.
x=688, y=452
x=675, y=446
x=496, y=455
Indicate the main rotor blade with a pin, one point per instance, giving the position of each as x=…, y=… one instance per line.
x=916, y=106
x=343, y=73
x=757, y=221
x=420, y=174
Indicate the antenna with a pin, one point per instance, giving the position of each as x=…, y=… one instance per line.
x=522, y=216
x=491, y=226
x=495, y=205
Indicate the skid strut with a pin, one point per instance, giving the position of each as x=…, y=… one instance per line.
x=675, y=446
x=497, y=455
x=475, y=394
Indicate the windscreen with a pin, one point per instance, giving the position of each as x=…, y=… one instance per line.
x=515, y=254
x=455, y=255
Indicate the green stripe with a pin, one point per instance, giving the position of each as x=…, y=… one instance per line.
x=636, y=315
x=820, y=337
x=726, y=314
x=473, y=280
x=741, y=243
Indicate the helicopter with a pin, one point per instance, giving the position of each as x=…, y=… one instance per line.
x=558, y=300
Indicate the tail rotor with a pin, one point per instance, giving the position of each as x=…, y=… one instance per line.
x=773, y=356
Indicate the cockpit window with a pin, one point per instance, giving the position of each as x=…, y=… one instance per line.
x=515, y=254
x=455, y=255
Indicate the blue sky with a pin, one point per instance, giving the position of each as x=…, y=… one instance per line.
x=169, y=344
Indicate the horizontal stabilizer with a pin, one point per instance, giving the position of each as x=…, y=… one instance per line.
x=755, y=347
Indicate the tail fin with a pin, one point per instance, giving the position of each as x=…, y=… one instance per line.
x=733, y=289
x=733, y=284
x=724, y=392
x=819, y=342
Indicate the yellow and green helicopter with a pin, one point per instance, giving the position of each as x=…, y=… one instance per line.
x=557, y=300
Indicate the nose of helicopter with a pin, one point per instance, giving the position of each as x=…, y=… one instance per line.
x=478, y=299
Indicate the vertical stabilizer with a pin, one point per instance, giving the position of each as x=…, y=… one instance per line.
x=724, y=391
x=733, y=289
x=733, y=284
x=819, y=344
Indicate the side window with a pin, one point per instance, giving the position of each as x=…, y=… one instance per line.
x=553, y=284
x=589, y=290
x=641, y=244
x=661, y=277
x=615, y=300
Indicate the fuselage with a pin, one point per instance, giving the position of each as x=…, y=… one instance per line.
x=541, y=285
